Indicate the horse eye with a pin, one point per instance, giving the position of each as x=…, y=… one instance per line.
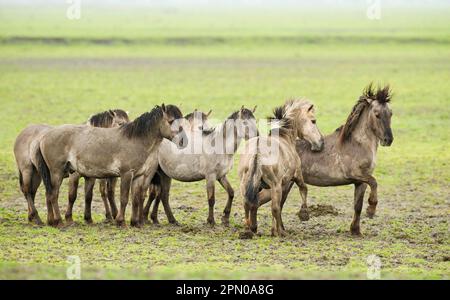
x=377, y=115
x=313, y=121
x=170, y=122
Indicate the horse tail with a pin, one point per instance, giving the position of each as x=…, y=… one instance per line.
x=254, y=179
x=44, y=171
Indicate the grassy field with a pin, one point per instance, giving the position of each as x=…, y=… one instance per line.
x=54, y=70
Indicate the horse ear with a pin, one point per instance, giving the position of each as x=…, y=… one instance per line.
x=242, y=108
x=163, y=107
x=210, y=111
x=311, y=108
x=112, y=113
x=254, y=108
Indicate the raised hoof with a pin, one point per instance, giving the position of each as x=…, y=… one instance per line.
x=303, y=215
x=246, y=235
x=370, y=212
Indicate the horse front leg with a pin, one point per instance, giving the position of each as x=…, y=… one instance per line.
x=137, y=191
x=152, y=194
x=166, y=183
x=226, y=212
x=360, y=189
x=88, y=194
x=210, y=186
x=125, y=181
x=373, y=197
x=303, y=213
x=74, y=179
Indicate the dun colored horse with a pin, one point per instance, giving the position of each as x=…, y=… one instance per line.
x=129, y=152
x=29, y=138
x=208, y=156
x=266, y=175
x=108, y=119
x=350, y=152
x=197, y=121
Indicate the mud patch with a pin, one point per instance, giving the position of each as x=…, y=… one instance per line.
x=322, y=210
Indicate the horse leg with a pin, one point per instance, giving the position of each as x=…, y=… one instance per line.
x=103, y=194
x=111, y=191
x=35, y=182
x=253, y=221
x=211, y=200
x=247, y=214
x=136, y=194
x=166, y=182
x=154, y=192
x=74, y=179
x=226, y=212
x=373, y=197
x=276, y=193
x=303, y=213
x=264, y=196
x=88, y=192
x=125, y=181
x=26, y=185
x=52, y=197
x=360, y=188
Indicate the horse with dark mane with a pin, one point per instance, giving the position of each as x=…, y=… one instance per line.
x=29, y=138
x=129, y=152
x=350, y=152
x=106, y=119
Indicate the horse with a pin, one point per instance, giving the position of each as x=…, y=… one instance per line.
x=265, y=173
x=196, y=121
x=129, y=152
x=207, y=156
x=29, y=178
x=107, y=119
x=350, y=152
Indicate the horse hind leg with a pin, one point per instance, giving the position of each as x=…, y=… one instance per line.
x=276, y=194
x=104, y=195
x=153, y=193
x=52, y=197
x=88, y=193
x=27, y=178
x=111, y=190
x=74, y=180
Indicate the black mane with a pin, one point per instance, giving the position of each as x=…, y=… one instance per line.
x=381, y=95
x=141, y=126
x=279, y=114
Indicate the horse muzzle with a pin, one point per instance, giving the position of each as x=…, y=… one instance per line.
x=317, y=147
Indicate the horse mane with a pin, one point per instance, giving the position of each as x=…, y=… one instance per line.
x=281, y=119
x=102, y=119
x=382, y=95
x=245, y=113
x=141, y=126
x=174, y=111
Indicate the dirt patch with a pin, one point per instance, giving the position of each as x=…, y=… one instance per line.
x=318, y=210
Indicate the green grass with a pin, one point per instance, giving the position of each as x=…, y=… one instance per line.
x=222, y=61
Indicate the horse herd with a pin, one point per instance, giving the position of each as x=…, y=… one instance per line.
x=161, y=145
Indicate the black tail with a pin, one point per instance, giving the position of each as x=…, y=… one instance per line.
x=20, y=179
x=44, y=171
x=254, y=179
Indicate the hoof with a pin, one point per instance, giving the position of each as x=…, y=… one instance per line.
x=370, y=212
x=246, y=235
x=120, y=223
x=355, y=231
x=303, y=215
x=135, y=224
x=88, y=221
x=36, y=221
x=58, y=224
x=225, y=221
x=210, y=222
x=280, y=233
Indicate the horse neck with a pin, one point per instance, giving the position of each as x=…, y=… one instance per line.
x=363, y=135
